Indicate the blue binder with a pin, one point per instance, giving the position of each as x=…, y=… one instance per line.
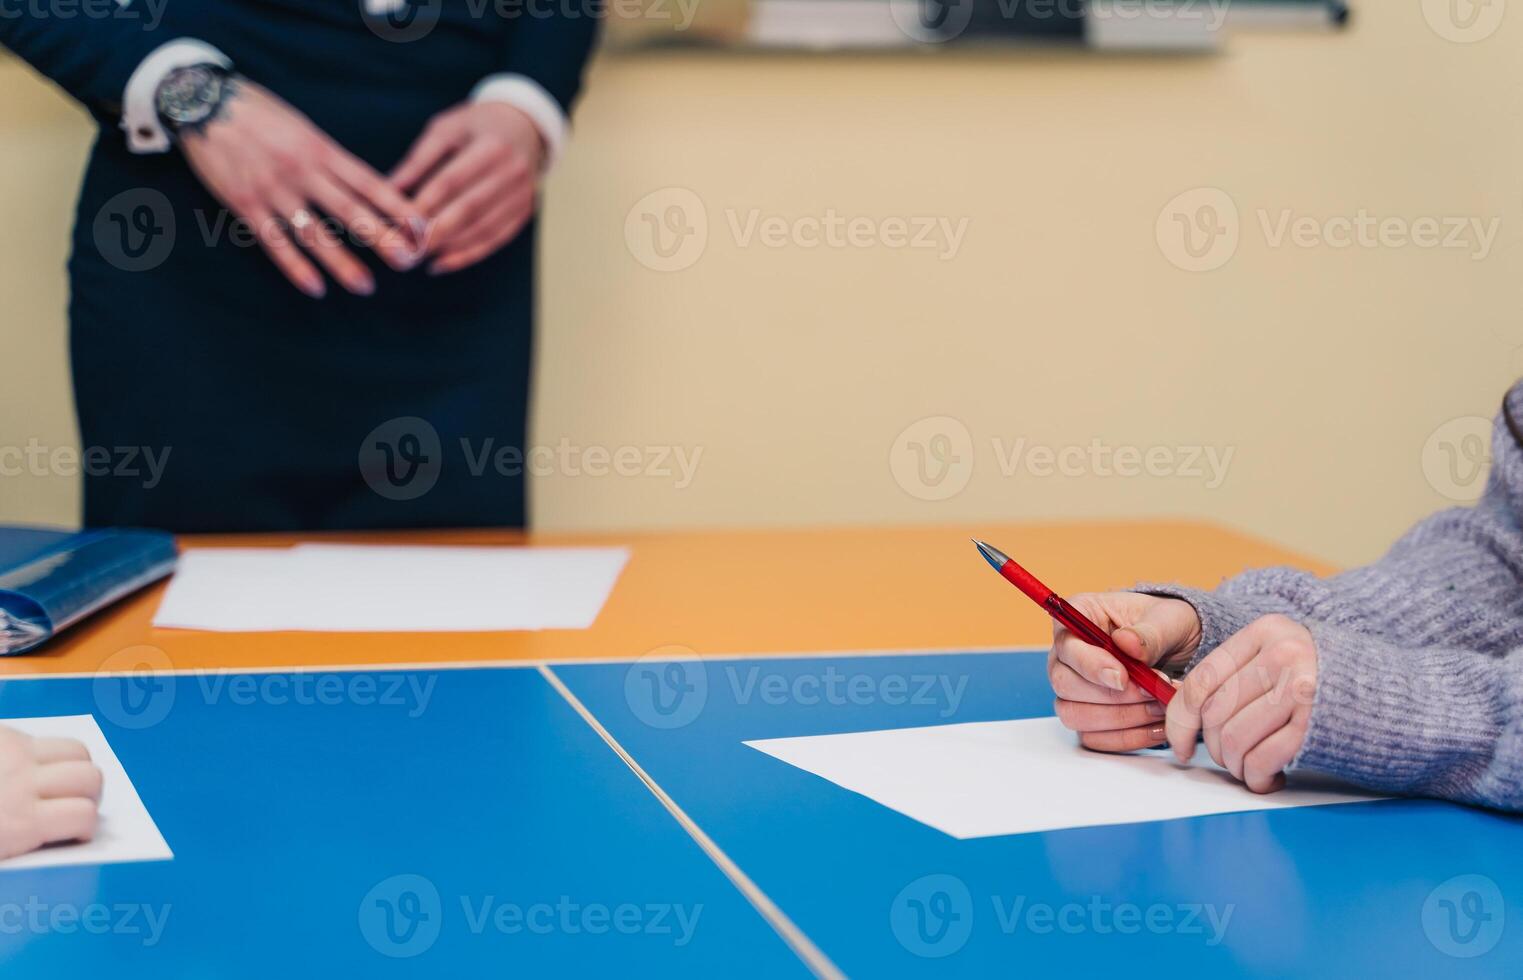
x=50, y=580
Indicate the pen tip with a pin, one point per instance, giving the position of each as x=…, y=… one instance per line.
x=992, y=555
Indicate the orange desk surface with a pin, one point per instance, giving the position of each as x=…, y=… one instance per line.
x=719, y=592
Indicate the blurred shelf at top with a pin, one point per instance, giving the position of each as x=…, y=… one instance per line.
x=886, y=25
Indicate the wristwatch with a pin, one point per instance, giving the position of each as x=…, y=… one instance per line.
x=189, y=98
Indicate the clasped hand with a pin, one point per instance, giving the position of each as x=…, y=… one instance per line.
x=1249, y=700
x=464, y=190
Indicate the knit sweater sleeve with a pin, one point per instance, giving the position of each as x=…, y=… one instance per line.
x=1453, y=581
x=1420, y=655
x=1430, y=721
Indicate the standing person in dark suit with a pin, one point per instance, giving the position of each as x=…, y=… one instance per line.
x=303, y=275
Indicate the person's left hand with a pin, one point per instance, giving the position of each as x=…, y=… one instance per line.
x=1250, y=699
x=474, y=173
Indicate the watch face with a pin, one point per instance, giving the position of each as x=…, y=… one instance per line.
x=190, y=95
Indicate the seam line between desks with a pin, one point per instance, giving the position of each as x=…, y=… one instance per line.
x=814, y=958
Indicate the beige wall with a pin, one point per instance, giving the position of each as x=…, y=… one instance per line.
x=1059, y=320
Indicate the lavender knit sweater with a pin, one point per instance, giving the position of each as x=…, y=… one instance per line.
x=1420, y=655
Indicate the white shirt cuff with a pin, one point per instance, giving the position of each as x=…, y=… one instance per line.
x=530, y=98
x=140, y=111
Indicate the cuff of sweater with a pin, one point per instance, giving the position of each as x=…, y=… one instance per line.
x=1220, y=616
x=1399, y=721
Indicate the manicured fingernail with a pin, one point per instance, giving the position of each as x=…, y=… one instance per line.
x=1157, y=709
x=315, y=287
x=365, y=287
x=1112, y=679
x=1156, y=734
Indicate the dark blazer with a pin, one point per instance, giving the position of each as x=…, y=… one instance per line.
x=269, y=410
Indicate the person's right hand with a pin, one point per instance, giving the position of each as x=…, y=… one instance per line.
x=1095, y=696
x=277, y=171
x=49, y=792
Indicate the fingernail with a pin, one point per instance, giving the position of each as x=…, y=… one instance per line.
x=1112, y=679
x=1156, y=733
x=1157, y=709
x=365, y=287
x=315, y=288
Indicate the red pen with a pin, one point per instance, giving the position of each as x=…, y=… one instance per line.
x=1060, y=609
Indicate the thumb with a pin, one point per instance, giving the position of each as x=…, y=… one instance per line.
x=1166, y=630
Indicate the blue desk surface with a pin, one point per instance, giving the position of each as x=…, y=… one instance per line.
x=474, y=822
x=473, y=807
x=1315, y=891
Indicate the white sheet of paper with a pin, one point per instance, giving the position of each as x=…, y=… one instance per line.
x=126, y=832
x=987, y=779
x=390, y=588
